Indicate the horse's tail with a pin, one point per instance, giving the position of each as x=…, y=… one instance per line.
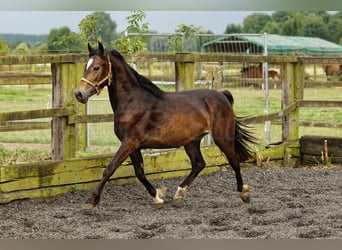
x=243, y=137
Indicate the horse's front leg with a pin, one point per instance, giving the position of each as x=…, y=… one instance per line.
x=124, y=151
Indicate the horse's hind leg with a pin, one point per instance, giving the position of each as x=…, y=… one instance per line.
x=197, y=164
x=227, y=147
x=138, y=164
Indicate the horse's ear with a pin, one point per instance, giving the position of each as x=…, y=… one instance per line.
x=101, y=48
x=90, y=49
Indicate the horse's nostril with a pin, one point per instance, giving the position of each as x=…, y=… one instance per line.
x=79, y=96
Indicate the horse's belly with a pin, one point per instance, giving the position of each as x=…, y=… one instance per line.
x=173, y=138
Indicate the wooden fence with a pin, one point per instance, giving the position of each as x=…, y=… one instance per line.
x=65, y=173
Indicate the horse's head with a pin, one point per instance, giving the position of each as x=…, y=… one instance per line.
x=97, y=74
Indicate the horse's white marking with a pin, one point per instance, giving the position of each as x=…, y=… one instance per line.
x=245, y=193
x=180, y=194
x=90, y=62
x=158, y=201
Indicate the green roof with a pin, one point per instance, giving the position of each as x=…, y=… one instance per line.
x=277, y=44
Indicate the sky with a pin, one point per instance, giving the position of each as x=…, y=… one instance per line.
x=41, y=22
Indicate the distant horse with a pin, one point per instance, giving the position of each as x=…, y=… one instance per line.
x=252, y=71
x=333, y=69
x=257, y=72
x=273, y=74
x=147, y=117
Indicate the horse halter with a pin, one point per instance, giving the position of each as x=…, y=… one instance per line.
x=98, y=86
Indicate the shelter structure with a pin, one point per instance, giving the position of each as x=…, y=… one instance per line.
x=276, y=45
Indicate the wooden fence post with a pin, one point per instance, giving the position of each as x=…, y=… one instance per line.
x=80, y=109
x=185, y=71
x=290, y=94
x=65, y=137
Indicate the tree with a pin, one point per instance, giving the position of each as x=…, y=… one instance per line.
x=98, y=27
x=323, y=14
x=293, y=26
x=254, y=23
x=40, y=49
x=233, y=28
x=313, y=26
x=183, y=40
x=4, y=48
x=271, y=28
x=335, y=29
x=281, y=16
x=62, y=39
x=133, y=44
x=22, y=49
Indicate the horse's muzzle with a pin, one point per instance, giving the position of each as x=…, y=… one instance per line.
x=82, y=96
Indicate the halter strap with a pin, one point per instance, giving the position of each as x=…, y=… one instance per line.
x=98, y=86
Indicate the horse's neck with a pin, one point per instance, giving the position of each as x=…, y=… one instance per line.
x=121, y=86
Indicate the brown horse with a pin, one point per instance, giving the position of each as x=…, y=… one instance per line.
x=147, y=117
x=257, y=72
x=333, y=69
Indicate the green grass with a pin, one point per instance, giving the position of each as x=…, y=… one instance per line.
x=21, y=98
x=22, y=155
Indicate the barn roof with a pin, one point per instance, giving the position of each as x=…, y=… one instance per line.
x=276, y=44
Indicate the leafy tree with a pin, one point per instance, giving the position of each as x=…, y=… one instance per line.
x=313, y=26
x=63, y=39
x=281, y=16
x=271, y=28
x=233, y=28
x=254, y=23
x=136, y=43
x=334, y=28
x=4, y=48
x=41, y=49
x=55, y=36
x=183, y=40
x=22, y=49
x=323, y=14
x=98, y=27
x=295, y=23
x=293, y=26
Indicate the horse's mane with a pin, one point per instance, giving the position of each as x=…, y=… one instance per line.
x=144, y=82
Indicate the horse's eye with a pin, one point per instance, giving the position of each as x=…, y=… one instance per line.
x=96, y=68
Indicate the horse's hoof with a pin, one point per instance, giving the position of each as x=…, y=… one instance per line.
x=158, y=205
x=179, y=196
x=245, y=194
x=177, y=201
x=158, y=202
x=88, y=206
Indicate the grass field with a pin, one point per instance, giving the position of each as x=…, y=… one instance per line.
x=248, y=102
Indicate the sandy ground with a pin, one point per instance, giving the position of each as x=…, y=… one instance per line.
x=286, y=203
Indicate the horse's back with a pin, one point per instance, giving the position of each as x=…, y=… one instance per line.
x=200, y=98
x=331, y=69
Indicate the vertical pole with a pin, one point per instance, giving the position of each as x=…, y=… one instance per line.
x=291, y=93
x=267, y=94
x=185, y=71
x=217, y=78
x=64, y=135
x=88, y=112
x=80, y=109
